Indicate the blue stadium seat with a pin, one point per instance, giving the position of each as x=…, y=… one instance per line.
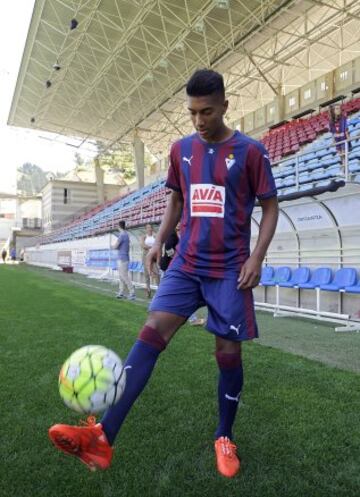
x=334, y=170
x=354, y=154
x=319, y=173
x=343, y=277
x=321, y=276
x=300, y=275
x=139, y=268
x=303, y=167
x=332, y=161
x=323, y=183
x=289, y=181
x=304, y=177
x=354, y=165
x=305, y=187
x=353, y=288
x=282, y=274
x=267, y=276
x=314, y=165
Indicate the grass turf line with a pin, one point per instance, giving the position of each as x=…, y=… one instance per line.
x=298, y=428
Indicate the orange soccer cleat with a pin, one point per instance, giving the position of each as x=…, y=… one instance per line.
x=87, y=442
x=227, y=462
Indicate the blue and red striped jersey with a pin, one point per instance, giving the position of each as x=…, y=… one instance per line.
x=219, y=183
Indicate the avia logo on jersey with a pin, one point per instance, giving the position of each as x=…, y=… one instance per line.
x=207, y=200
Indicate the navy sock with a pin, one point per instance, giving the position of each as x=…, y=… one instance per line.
x=229, y=391
x=139, y=366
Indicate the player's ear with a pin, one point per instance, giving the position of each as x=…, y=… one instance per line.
x=226, y=105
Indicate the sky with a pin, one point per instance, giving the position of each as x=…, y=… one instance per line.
x=18, y=145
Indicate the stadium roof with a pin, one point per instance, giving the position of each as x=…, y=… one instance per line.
x=125, y=64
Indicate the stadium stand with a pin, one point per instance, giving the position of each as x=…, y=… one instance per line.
x=287, y=139
x=316, y=169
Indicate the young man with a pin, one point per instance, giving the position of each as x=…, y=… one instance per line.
x=215, y=175
x=123, y=247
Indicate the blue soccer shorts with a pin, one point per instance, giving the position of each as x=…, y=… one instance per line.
x=231, y=313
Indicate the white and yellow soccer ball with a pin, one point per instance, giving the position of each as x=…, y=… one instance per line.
x=92, y=379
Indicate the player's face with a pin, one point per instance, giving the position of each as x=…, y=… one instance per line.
x=207, y=115
x=337, y=110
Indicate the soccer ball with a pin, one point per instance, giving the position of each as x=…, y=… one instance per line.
x=92, y=379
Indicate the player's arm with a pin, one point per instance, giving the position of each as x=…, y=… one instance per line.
x=170, y=219
x=117, y=244
x=251, y=270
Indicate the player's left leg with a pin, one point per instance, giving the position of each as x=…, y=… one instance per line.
x=231, y=317
x=126, y=280
x=228, y=357
x=120, y=293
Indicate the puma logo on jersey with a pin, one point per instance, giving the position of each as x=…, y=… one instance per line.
x=207, y=200
x=235, y=328
x=127, y=367
x=188, y=160
x=235, y=399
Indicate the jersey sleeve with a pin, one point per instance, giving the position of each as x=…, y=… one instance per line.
x=261, y=179
x=173, y=178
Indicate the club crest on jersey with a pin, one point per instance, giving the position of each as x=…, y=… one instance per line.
x=207, y=200
x=229, y=161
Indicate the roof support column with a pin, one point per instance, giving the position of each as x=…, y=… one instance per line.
x=99, y=179
x=139, y=157
x=279, y=101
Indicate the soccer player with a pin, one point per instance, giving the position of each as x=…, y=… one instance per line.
x=215, y=174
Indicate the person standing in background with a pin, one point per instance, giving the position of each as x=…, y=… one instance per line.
x=147, y=241
x=339, y=129
x=4, y=255
x=122, y=245
x=13, y=254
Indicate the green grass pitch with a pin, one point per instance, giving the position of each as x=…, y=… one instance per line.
x=297, y=430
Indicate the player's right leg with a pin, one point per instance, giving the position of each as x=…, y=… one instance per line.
x=92, y=443
x=177, y=298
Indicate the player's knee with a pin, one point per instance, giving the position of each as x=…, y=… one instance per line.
x=228, y=353
x=151, y=336
x=228, y=360
x=165, y=324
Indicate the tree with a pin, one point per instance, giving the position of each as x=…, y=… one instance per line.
x=120, y=159
x=31, y=179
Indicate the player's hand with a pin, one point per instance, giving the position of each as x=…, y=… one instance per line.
x=250, y=274
x=152, y=257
